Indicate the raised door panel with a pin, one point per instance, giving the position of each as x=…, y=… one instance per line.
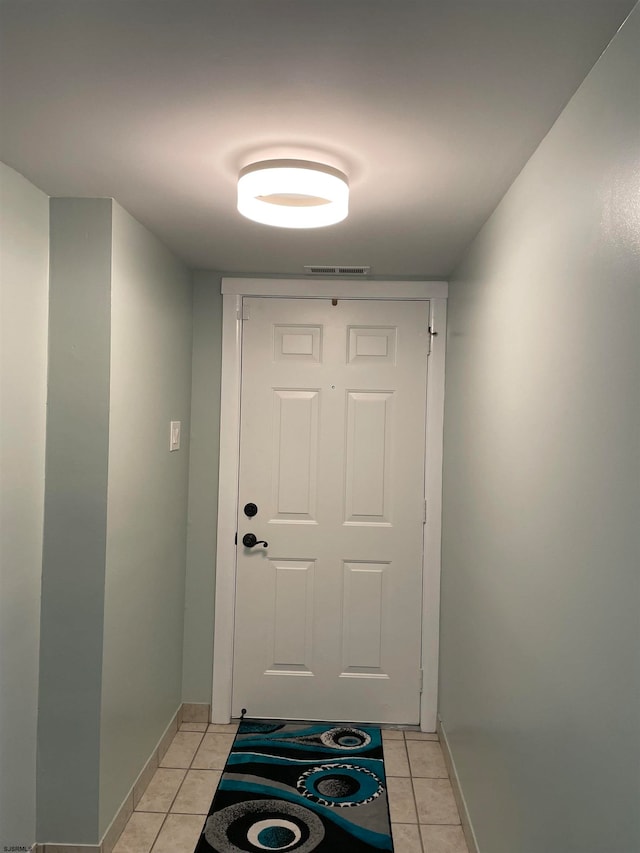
x=297, y=343
x=371, y=344
x=295, y=455
x=363, y=619
x=290, y=636
x=368, y=457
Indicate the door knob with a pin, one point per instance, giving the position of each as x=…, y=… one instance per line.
x=249, y=540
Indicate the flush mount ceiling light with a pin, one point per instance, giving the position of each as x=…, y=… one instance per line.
x=293, y=194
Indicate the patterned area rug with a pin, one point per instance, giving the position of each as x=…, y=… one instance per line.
x=300, y=788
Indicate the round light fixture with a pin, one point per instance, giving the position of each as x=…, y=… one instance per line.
x=293, y=194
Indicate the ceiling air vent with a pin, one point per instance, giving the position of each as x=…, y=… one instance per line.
x=323, y=270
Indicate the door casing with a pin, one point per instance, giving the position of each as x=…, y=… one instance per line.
x=233, y=291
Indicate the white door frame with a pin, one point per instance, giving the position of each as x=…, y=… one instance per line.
x=233, y=290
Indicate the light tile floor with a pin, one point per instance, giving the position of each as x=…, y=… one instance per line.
x=171, y=812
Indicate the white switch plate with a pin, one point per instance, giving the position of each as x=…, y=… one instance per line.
x=174, y=436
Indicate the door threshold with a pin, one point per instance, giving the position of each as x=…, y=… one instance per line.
x=401, y=727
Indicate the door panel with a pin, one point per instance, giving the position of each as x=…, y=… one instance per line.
x=290, y=644
x=368, y=457
x=328, y=616
x=362, y=625
x=295, y=455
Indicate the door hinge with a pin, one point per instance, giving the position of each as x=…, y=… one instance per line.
x=424, y=513
x=432, y=334
x=243, y=313
x=421, y=680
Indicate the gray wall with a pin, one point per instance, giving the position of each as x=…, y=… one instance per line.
x=151, y=331
x=73, y=564
x=540, y=650
x=24, y=295
x=115, y=520
x=203, y=488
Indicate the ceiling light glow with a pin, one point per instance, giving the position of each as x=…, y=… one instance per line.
x=293, y=194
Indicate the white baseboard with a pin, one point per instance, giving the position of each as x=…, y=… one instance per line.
x=138, y=788
x=467, y=826
x=195, y=712
x=187, y=712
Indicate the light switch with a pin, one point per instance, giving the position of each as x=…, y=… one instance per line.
x=174, y=437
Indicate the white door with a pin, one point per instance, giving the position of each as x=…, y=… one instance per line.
x=328, y=613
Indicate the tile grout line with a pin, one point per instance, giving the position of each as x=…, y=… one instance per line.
x=413, y=794
x=167, y=813
x=160, y=828
x=191, y=767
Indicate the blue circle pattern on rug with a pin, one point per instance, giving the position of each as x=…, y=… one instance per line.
x=345, y=738
x=276, y=837
x=256, y=825
x=340, y=785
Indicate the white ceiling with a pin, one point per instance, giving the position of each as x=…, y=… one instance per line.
x=432, y=107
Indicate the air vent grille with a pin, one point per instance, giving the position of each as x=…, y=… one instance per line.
x=326, y=270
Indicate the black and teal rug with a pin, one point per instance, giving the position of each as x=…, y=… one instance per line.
x=300, y=788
